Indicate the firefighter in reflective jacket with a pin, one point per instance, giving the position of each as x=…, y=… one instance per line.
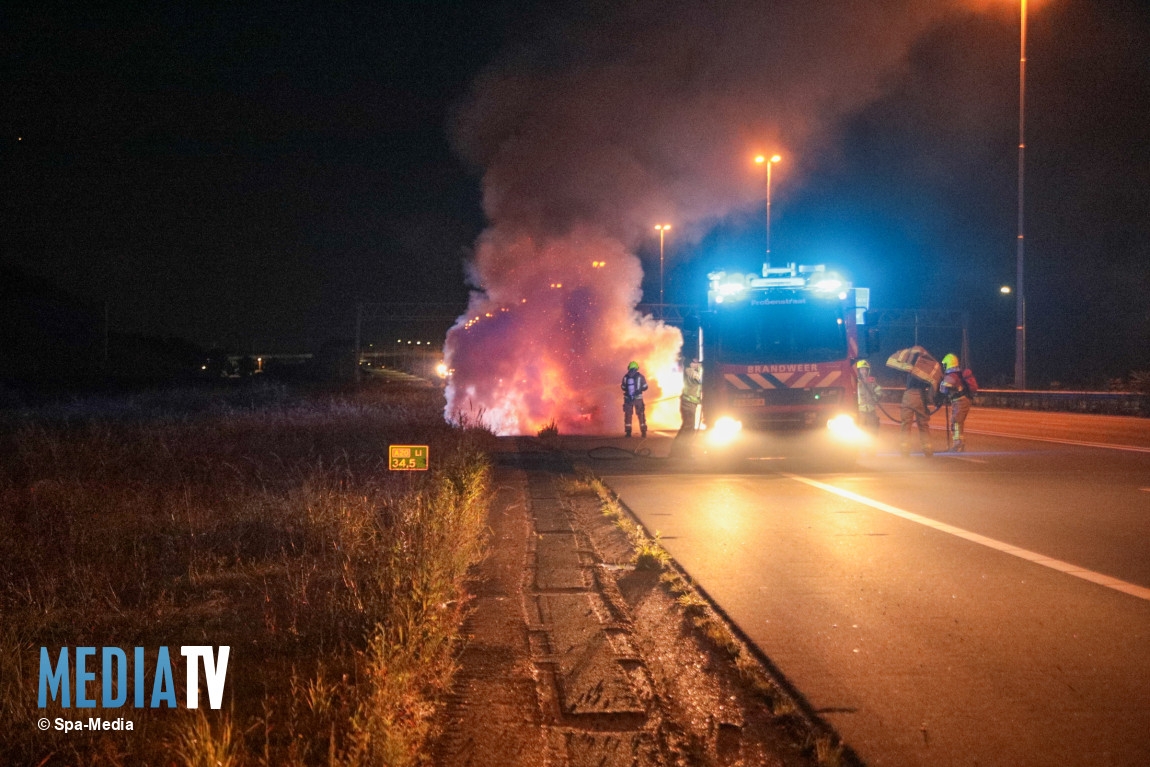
x=914, y=410
x=868, y=393
x=691, y=396
x=633, y=386
x=957, y=388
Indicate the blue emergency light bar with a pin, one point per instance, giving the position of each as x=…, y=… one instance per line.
x=730, y=288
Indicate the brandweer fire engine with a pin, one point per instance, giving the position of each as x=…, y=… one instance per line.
x=777, y=353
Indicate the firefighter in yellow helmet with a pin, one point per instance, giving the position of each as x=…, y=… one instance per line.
x=868, y=394
x=633, y=386
x=957, y=388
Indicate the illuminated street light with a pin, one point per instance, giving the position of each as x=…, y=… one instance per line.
x=1005, y=290
x=1020, y=300
x=662, y=229
x=761, y=160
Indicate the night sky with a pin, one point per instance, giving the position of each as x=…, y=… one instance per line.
x=243, y=176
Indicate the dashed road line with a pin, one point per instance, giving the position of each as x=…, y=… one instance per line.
x=1101, y=579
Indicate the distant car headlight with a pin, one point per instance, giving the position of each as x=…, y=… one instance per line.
x=844, y=429
x=724, y=431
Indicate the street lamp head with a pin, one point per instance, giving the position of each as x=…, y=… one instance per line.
x=775, y=158
x=662, y=227
x=1005, y=290
x=760, y=159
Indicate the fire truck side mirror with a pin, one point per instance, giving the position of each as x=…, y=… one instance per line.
x=873, y=341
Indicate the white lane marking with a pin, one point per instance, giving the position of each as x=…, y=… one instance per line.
x=1105, y=445
x=1109, y=582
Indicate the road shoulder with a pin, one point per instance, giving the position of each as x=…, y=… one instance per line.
x=573, y=656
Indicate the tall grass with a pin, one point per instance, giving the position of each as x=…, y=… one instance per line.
x=269, y=523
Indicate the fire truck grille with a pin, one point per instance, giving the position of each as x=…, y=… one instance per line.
x=769, y=397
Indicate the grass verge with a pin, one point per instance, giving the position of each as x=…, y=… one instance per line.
x=269, y=523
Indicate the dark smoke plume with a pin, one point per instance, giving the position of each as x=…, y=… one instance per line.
x=606, y=118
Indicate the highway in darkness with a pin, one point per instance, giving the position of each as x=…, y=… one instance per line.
x=985, y=608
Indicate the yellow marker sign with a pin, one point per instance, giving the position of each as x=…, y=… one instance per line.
x=407, y=457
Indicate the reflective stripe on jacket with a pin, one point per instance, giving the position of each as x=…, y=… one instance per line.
x=954, y=385
x=634, y=384
x=692, y=385
x=868, y=392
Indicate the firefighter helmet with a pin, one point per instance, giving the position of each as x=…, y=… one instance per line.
x=949, y=361
x=862, y=364
x=633, y=365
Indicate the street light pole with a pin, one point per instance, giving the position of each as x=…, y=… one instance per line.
x=1020, y=298
x=662, y=228
x=772, y=162
x=774, y=159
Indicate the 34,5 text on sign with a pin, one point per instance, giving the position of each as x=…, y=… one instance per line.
x=407, y=457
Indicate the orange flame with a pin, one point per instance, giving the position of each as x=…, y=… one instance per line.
x=519, y=365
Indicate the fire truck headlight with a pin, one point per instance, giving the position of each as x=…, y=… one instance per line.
x=844, y=429
x=724, y=431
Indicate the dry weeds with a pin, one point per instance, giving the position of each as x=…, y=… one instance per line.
x=261, y=520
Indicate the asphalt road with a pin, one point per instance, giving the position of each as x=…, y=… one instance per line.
x=987, y=608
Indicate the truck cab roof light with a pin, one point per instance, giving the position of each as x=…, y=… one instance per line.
x=731, y=288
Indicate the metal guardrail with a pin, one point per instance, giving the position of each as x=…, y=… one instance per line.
x=1099, y=402
x=1105, y=402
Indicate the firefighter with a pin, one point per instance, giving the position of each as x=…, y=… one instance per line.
x=689, y=401
x=691, y=396
x=914, y=408
x=633, y=386
x=958, y=387
x=868, y=394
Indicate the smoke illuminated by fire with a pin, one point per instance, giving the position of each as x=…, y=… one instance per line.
x=599, y=125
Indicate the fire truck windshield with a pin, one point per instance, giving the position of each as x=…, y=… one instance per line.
x=792, y=332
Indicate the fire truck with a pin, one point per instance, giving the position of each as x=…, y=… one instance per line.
x=777, y=351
